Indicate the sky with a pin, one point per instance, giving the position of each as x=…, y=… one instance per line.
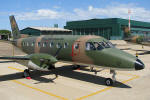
x=46, y=13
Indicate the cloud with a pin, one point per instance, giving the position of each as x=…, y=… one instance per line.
x=38, y=15
x=118, y=11
x=113, y=10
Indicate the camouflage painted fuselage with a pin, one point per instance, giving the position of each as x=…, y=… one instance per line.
x=107, y=57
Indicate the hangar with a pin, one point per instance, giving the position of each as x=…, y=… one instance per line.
x=110, y=28
x=36, y=31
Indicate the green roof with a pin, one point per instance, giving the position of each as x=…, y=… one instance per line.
x=93, y=23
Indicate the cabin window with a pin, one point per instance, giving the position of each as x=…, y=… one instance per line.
x=66, y=45
x=44, y=44
x=90, y=46
x=58, y=45
x=76, y=46
x=33, y=43
x=51, y=44
x=39, y=44
x=23, y=43
x=27, y=44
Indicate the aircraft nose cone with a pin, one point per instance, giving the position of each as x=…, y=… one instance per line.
x=139, y=65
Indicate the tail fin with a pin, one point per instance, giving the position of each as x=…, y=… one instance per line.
x=14, y=27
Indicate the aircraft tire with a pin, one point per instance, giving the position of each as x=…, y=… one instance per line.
x=108, y=81
x=26, y=73
x=76, y=67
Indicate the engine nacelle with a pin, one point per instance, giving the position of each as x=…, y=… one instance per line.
x=41, y=61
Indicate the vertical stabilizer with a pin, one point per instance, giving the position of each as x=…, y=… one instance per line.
x=14, y=27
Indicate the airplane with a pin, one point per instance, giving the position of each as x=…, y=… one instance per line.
x=90, y=50
x=143, y=40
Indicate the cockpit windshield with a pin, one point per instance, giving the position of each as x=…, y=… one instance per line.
x=98, y=45
x=109, y=44
x=90, y=46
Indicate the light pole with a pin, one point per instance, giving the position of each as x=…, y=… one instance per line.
x=129, y=24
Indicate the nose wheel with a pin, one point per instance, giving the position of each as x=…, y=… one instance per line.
x=109, y=81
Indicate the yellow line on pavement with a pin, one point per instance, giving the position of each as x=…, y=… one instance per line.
x=48, y=93
x=105, y=89
x=92, y=94
x=81, y=98
x=42, y=91
x=16, y=69
x=130, y=79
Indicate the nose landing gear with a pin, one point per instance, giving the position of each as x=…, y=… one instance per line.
x=109, y=81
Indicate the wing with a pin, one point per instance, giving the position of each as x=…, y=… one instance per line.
x=16, y=58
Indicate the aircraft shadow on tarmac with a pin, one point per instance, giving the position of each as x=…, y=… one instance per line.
x=6, y=61
x=65, y=71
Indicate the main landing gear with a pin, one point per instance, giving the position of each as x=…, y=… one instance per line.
x=26, y=74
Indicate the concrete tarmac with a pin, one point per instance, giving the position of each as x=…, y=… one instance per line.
x=73, y=84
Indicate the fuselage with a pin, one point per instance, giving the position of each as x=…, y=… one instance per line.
x=88, y=50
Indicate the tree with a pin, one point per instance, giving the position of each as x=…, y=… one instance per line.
x=5, y=34
x=127, y=32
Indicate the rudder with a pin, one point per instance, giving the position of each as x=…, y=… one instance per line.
x=14, y=27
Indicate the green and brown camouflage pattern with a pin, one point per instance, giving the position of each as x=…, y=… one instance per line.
x=111, y=58
x=14, y=27
x=108, y=57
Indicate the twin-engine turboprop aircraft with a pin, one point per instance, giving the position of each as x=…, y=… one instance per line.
x=44, y=51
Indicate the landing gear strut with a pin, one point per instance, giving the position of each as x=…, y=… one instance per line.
x=109, y=81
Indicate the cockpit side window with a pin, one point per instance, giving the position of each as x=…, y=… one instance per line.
x=110, y=44
x=90, y=46
x=105, y=45
x=98, y=45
